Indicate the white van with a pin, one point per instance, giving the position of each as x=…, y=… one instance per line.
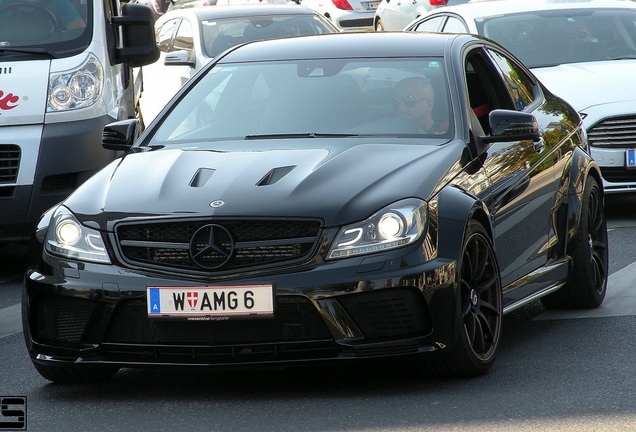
x=67, y=68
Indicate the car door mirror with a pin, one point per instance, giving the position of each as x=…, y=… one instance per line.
x=120, y=135
x=509, y=125
x=178, y=58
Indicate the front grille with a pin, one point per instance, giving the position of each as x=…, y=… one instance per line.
x=618, y=175
x=617, y=132
x=247, y=244
x=296, y=319
x=9, y=163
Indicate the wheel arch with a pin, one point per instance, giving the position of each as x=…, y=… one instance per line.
x=581, y=168
x=455, y=209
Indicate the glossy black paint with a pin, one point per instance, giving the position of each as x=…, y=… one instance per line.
x=524, y=188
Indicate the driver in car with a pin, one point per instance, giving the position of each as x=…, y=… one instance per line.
x=414, y=100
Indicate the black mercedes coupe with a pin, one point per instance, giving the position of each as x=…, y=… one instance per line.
x=332, y=198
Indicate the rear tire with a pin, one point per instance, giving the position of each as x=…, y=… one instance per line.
x=587, y=281
x=75, y=374
x=479, y=311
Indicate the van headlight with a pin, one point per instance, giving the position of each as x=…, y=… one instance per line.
x=397, y=225
x=76, y=88
x=67, y=238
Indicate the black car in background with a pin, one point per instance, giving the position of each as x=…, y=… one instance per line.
x=286, y=208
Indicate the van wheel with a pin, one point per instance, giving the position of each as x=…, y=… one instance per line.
x=587, y=281
x=379, y=26
x=479, y=311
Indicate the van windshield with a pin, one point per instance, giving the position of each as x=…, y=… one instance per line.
x=60, y=27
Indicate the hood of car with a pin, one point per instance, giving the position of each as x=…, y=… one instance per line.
x=585, y=85
x=338, y=184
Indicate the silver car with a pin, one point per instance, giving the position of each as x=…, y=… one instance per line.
x=347, y=15
x=397, y=14
x=570, y=46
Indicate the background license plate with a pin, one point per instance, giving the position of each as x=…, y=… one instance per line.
x=630, y=158
x=197, y=303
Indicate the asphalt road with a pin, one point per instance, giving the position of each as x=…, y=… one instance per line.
x=556, y=371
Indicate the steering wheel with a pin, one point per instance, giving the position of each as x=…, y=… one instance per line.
x=29, y=9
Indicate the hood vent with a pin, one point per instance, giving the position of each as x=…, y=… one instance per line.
x=274, y=175
x=201, y=177
x=5, y=70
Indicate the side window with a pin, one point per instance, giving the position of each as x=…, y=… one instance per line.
x=455, y=25
x=431, y=25
x=184, y=39
x=521, y=87
x=165, y=34
x=485, y=87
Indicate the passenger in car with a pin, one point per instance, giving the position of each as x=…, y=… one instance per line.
x=414, y=101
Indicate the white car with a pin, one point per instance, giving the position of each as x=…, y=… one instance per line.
x=347, y=15
x=583, y=51
x=397, y=14
x=189, y=38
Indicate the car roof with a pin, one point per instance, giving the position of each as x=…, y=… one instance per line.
x=349, y=45
x=502, y=7
x=231, y=11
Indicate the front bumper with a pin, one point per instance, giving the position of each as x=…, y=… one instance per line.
x=82, y=313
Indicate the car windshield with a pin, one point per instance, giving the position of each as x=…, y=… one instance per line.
x=221, y=34
x=312, y=98
x=551, y=38
x=57, y=28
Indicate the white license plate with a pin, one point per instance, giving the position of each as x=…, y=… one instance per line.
x=630, y=158
x=207, y=303
x=372, y=5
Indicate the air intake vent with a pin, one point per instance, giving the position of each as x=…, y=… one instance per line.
x=9, y=163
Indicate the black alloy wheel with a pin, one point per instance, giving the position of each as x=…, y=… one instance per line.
x=587, y=281
x=480, y=312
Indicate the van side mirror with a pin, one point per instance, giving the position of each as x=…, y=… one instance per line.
x=139, y=45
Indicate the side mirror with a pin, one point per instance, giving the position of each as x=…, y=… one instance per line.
x=508, y=125
x=139, y=45
x=120, y=135
x=178, y=58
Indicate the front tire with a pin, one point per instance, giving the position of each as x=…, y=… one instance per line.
x=587, y=281
x=379, y=27
x=479, y=311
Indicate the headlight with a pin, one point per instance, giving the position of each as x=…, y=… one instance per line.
x=394, y=226
x=66, y=237
x=77, y=88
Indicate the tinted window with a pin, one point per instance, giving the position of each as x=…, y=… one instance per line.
x=396, y=98
x=62, y=28
x=221, y=34
x=566, y=36
x=519, y=84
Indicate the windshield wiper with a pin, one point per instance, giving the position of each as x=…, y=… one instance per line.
x=300, y=135
x=17, y=50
